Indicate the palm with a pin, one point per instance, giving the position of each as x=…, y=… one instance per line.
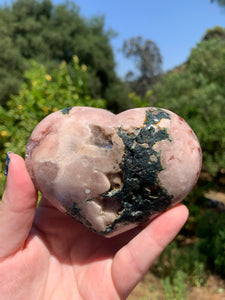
x=61, y=259
x=81, y=260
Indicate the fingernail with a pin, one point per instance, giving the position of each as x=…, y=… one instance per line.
x=7, y=162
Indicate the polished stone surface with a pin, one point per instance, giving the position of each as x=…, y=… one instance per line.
x=113, y=172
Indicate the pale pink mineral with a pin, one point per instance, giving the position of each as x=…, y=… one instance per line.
x=113, y=172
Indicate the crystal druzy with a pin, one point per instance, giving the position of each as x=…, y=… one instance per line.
x=113, y=172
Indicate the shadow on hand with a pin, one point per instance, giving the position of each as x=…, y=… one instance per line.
x=71, y=242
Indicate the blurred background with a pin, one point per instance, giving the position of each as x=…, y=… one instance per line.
x=120, y=55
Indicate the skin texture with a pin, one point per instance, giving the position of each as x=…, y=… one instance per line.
x=47, y=255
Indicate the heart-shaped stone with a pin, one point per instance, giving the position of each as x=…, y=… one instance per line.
x=113, y=172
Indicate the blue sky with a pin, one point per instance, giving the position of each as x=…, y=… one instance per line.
x=176, y=26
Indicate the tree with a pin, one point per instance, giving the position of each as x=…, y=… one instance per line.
x=41, y=93
x=220, y=2
x=148, y=62
x=12, y=62
x=216, y=32
x=51, y=34
x=196, y=92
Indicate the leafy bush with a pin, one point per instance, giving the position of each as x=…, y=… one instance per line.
x=50, y=33
x=176, y=261
x=176, y=289
x=211, y=230
x=41, y=94
x=196, y=92
x=198, y=251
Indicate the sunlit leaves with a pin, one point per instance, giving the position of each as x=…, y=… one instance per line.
x=41, y=94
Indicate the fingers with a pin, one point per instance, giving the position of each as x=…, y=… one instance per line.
x=133, y=260
x=17, y=207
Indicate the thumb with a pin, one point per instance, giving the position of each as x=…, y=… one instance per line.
x=17, y=208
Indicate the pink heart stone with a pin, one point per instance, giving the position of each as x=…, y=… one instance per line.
x=112, y=172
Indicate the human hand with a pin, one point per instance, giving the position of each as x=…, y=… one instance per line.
x=47, y=255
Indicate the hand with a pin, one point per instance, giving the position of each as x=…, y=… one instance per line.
x=46, y=255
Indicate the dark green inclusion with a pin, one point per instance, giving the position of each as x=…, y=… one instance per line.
x=66, y=110
x=141, y=193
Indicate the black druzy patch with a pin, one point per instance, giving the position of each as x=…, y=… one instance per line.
x=65, y=111
x=141, y=193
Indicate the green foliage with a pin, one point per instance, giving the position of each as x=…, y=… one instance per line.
x=220, y=2
x=196, y=92
x=41, y=94
x=216, y=32
x=117, y=97
x=141, y=102
x=197, y=251
x=211, y=229
x=176, y=289
x=49, y=34
x=148, y=63
x=12, y=63
x=176, y=261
